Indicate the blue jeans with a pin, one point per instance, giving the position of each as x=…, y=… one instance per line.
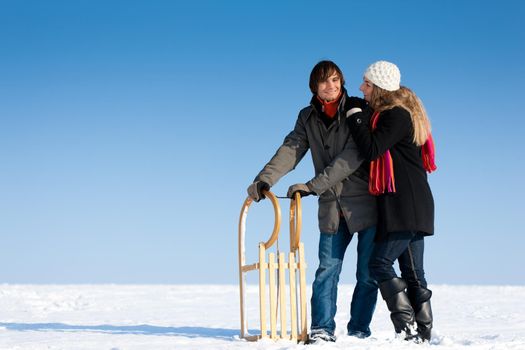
x=332, y=249
x=408, y=248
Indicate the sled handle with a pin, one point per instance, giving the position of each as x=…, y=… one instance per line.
x=277, y=214
x=277, y=223
x=296, y=220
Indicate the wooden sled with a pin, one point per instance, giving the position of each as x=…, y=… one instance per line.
x=276, y=292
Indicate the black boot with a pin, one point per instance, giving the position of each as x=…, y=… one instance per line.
x=401, y=312
x=420, y=300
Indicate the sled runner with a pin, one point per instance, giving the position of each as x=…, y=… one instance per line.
x=276, y=291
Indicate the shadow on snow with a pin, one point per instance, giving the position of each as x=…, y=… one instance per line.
x=190, y=332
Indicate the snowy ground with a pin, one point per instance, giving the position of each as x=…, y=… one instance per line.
x=182, y=317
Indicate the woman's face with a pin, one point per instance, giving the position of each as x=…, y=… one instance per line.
x=366, y=88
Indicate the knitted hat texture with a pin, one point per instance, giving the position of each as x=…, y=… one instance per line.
x=384, y=74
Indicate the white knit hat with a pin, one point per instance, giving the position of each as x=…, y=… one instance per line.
x=384, y=74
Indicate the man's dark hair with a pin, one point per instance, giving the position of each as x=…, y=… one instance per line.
x=321, y=72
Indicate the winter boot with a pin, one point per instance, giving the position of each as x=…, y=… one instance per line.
x=420, y=300
x=320, y=336
x=401, y=312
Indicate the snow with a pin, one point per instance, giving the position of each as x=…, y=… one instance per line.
x=118, y=317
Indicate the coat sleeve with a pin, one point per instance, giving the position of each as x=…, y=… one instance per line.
x=393, y=125
x=340, y=168
x=288, y=155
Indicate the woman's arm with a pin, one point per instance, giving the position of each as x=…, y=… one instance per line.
x=393, y=125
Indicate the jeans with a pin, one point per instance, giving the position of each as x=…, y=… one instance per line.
x=408, y=248
x=332, y=249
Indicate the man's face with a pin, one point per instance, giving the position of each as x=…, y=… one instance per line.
x=330, y=88
x=366, y=88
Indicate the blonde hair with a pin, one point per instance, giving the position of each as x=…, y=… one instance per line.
x=382, y=100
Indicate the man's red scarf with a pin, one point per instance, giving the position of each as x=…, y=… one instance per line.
x=330, y=108
x=382, y=169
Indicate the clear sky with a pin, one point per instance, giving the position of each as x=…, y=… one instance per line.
x=129, y=130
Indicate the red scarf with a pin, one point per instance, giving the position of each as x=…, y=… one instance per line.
x=330, y=108
x=382, y=169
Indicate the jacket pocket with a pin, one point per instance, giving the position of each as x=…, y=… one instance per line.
x=354, y=186
x=328, y=215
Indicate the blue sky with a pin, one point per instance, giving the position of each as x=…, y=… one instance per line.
x=129, y=130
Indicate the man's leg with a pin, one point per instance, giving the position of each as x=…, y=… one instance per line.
x=332, y=249
x=365, y=292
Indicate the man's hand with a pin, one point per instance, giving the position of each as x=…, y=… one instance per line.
x=301, y=188
x=255, y=190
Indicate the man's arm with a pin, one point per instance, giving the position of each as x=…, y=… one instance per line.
x=348, y=161
x=288, y=155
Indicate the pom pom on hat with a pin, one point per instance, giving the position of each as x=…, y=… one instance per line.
x=384, y=74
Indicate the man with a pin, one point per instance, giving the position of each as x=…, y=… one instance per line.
x=345, y=205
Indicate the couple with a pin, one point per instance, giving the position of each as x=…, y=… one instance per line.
x=370, y=158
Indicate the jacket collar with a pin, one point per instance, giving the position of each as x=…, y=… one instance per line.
x=317, y=108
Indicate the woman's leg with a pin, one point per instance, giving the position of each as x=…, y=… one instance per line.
x=412, y=271
x=391, y=287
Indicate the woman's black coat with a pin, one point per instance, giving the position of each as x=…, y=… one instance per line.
x=411, y=207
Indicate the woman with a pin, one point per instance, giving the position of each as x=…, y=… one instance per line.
x=394, y=135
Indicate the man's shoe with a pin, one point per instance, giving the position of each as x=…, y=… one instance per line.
x=319, y=336
x=359, y=334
